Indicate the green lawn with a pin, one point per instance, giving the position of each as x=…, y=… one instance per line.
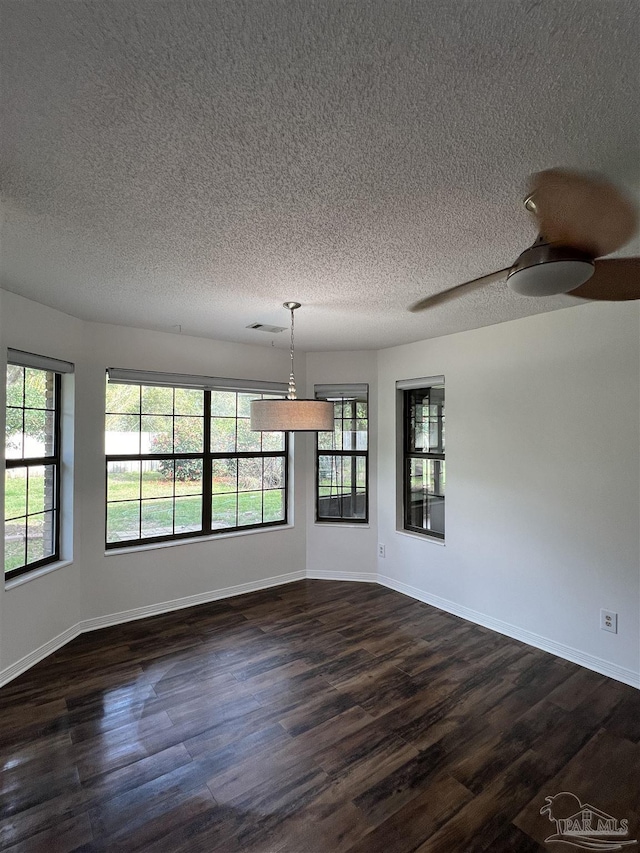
x=128, y=517
x=15, y=506
x=15, y=495
x=125, y=485
x=227, y=510
x=123, y=510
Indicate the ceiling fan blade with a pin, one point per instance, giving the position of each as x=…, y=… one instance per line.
x=581, y=210
x=614, y=280
x=459, y=290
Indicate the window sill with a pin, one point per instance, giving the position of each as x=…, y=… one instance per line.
x=172, y=543
x=422, y=537
x=36, y=573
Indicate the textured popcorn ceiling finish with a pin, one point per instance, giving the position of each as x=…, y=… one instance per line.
x=195, y=164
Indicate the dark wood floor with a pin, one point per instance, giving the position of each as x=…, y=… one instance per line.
x=318, y=717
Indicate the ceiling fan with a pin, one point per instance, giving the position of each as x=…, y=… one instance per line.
x=580, y=217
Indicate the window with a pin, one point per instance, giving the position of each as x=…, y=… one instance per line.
x=183, y=462
x=424, y=465
x=32, y=469
x=342, y=456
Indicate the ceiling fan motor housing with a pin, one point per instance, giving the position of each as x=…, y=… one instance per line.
x=546, y=270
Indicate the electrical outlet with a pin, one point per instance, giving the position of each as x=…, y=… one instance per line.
x=609, y=621
x=381, y=551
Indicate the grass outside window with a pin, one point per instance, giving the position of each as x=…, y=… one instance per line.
x=188, y=464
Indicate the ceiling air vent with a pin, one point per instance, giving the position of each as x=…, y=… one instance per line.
x=263, y=327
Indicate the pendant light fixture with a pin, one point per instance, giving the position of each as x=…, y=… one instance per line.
x=291, y=414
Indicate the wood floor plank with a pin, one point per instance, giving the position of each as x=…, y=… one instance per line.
x=315, y=828
x=19, y=794
x=128, y=808
x=106, y=786
x=244, y=751
x=215, y=733
x=318, y=717
x=246, y=779
x=317, y=709
x=316, y=740
x=67, y=836
x=363, y=759
x=401, y=786
x=495, y=754
x=605, y=774
x=625, y=720
x=477, y=824
x=46, y=815
x=152, y=825
x=416, y=820
x=575, y=689
x=42, y=817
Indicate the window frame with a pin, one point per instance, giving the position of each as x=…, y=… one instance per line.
x=207, y=457
x=55, y=461
x=408, y=454
x=333, y=392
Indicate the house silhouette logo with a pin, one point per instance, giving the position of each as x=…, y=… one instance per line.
x=583, y=825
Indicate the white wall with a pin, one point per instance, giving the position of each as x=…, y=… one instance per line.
x=118, y=582
x=35, y=613
x=543, y=475
x=342, y=550
x=543, y=463
x=94, y=586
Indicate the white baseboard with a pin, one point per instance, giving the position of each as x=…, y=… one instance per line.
x=188, y=601
x=612, y=670
x=328, y=575
x=34, y=657
x=619, y=673
x=20, y=666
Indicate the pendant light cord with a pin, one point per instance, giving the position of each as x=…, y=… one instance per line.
x=292, y=380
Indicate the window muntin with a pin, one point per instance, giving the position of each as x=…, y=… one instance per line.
x=424, y=461
x=183, y=462
x=342, y=460
x=32, y=469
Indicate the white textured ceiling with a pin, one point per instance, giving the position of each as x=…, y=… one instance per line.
x=194, y=164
